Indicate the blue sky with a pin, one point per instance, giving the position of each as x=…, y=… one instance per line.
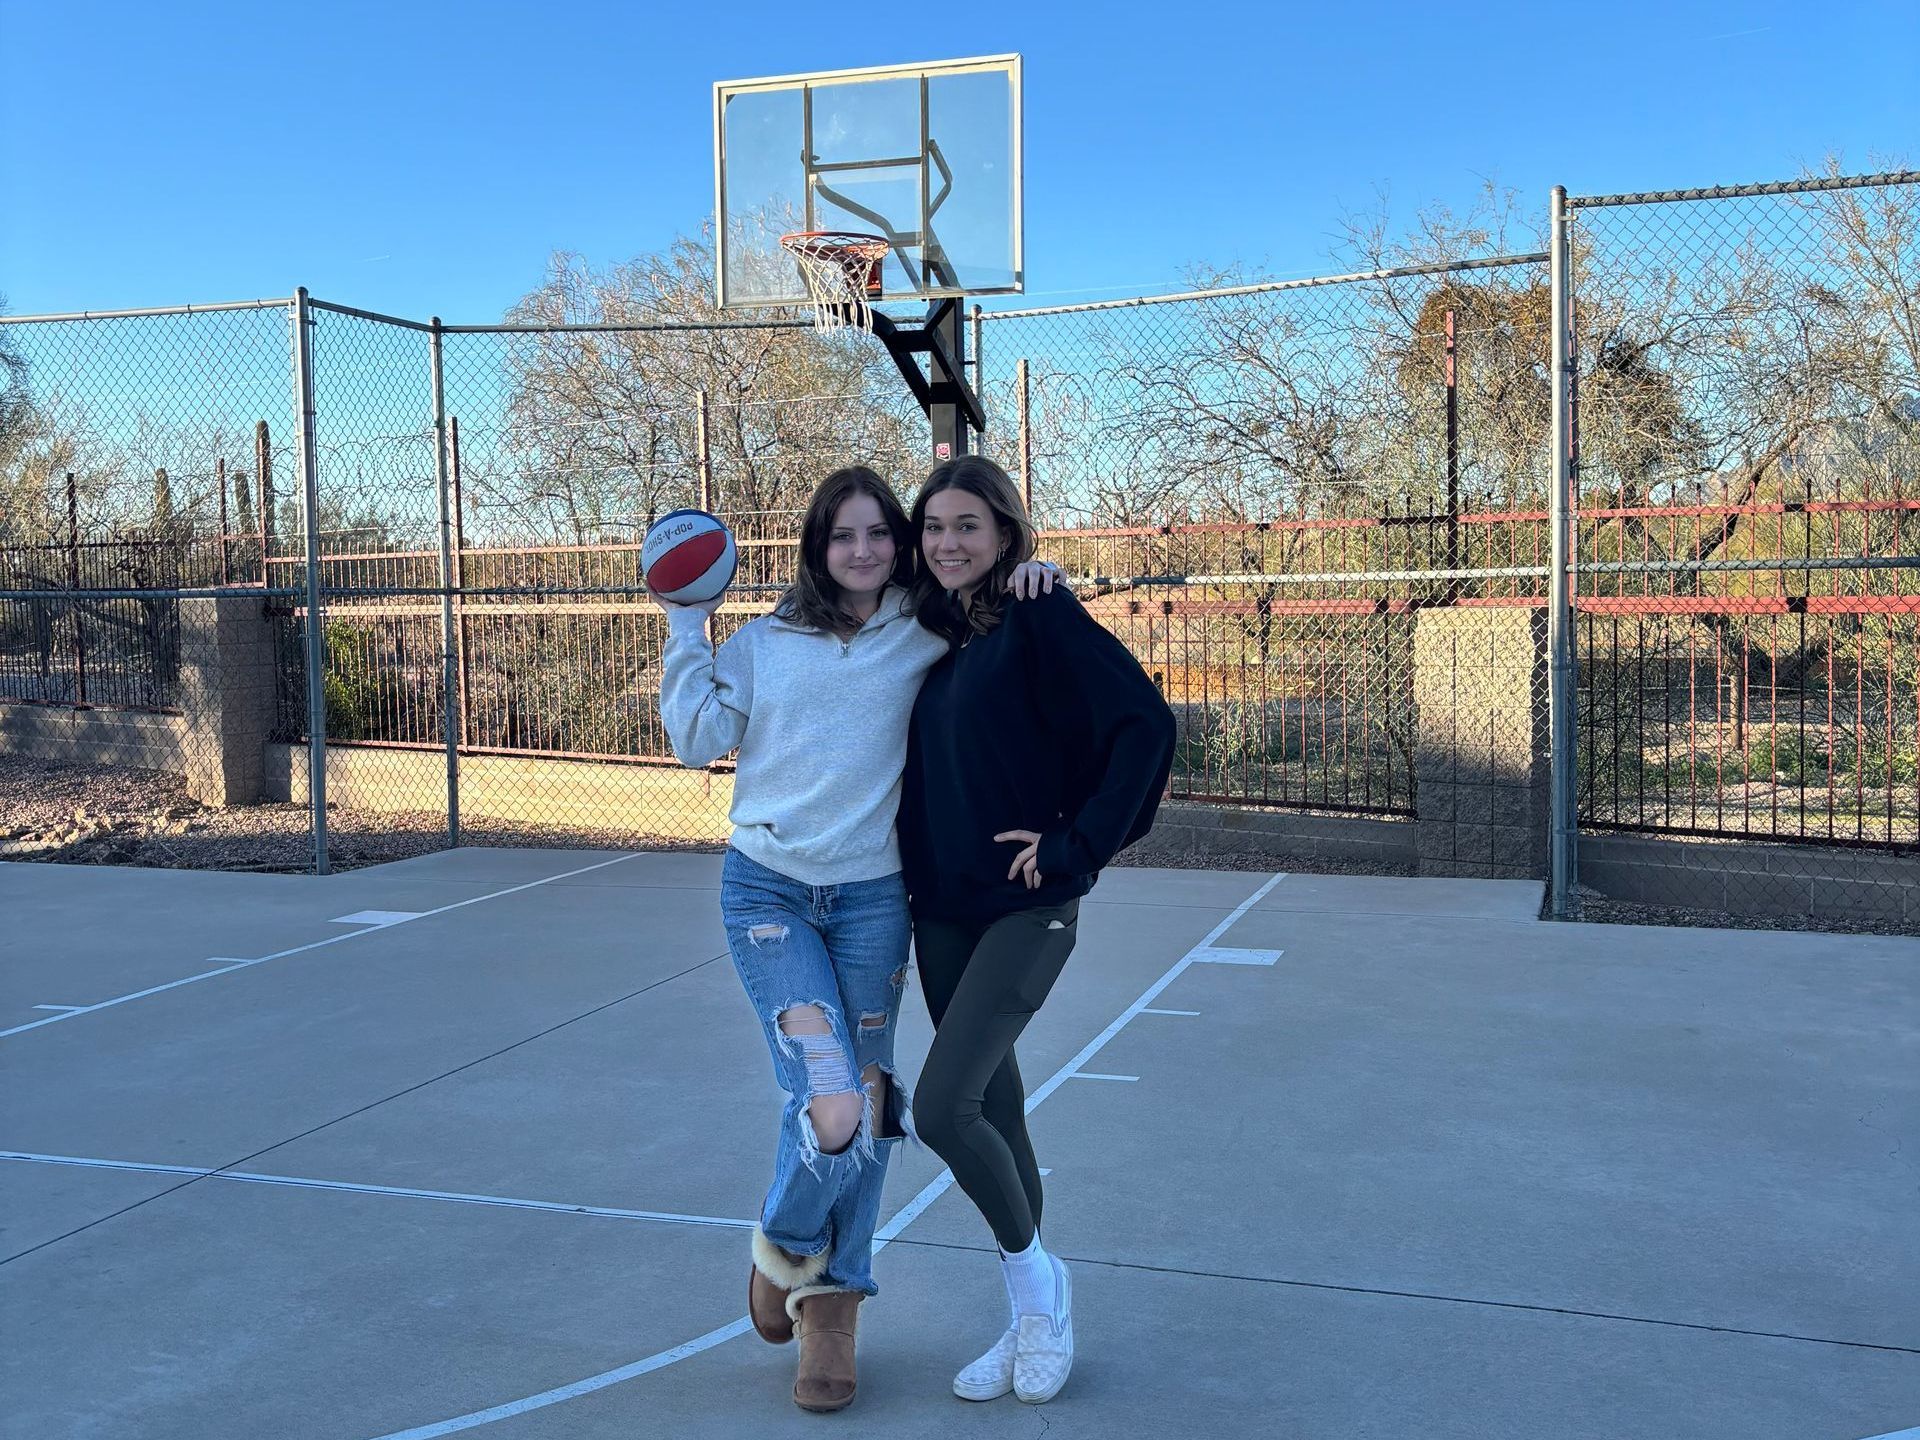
x=427, y=158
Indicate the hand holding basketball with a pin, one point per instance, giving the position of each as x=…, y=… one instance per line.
x=699, y=607
x=688, y=558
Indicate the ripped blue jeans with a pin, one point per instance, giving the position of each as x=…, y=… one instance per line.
x=841, y=949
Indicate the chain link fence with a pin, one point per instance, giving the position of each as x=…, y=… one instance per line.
x=1322, y=513
x=1316, y=510
x=145, y=631
x=1749, y=546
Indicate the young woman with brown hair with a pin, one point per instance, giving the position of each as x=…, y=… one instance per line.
x=1068, y=788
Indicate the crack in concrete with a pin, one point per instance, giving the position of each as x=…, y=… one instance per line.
x=1893, y=1154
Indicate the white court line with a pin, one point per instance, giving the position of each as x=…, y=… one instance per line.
x=299, y=1182
x=1214, y=955
x=1912, y=1434
x=376, y=917
x=227, y=967
x=908, y=1213
x=1089, y=1075
x=1151, y=1011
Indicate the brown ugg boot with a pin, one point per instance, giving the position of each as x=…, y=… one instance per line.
x=827, y=1320
x=775, y=1274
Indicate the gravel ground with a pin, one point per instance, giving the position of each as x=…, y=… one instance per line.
x=1599, y=910
x=79, y=815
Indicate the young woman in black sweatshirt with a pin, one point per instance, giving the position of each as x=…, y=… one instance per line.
x=1002, y=829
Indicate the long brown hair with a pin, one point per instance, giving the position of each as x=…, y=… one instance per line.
x=939, y=610
x=813, y=601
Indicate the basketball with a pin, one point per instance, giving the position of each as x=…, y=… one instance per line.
x=687, y=557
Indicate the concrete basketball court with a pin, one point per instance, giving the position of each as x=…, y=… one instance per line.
x=469, y=1144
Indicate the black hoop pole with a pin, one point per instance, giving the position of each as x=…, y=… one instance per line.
x=955, y=409
x=941, y=389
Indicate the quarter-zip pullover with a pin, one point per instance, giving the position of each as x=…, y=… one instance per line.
x=821, y=727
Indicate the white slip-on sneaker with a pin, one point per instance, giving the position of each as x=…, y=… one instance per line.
x=1043, y=1352
x=991, y=1376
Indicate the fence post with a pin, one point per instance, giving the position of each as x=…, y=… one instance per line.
x=1564, y=871
x=220, y=483
x=263, y=476
x=703, y=453
x=1026, y=435
x=459, y=574
x=978, y=361
x=449, y=665
x=1453, y=462
x=73, y=583
x=316, y=621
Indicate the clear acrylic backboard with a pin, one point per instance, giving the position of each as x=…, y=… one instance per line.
x=927, y=156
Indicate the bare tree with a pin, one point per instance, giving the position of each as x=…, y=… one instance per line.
x=22, y=505
x=599, y=430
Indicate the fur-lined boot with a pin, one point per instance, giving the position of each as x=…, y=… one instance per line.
x=775, y=1275
x=825, y=1322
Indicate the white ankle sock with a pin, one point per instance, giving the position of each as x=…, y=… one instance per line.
x=1030, y=1280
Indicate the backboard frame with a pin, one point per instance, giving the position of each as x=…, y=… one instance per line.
x=929, y=161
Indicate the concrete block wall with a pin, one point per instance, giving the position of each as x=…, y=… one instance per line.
x=1481, y=752
x=227, y=694
x=1284, y=836
x=218, y=740
x=1754, y=878
x=137, y=739
x=578, y=794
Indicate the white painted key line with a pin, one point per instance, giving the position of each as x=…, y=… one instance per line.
x=1202, y=953
x=387, y=921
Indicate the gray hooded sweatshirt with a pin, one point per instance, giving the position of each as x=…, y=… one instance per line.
x=821, y=727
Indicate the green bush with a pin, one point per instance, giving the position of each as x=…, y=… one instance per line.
x=351, y=685
x=1804, y=760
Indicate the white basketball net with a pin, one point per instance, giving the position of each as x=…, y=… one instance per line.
x=837, y=266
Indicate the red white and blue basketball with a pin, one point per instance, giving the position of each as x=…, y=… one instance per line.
x=687, y=557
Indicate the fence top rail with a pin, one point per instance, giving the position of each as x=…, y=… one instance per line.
x=586, y=327
x=185, y=592
x=1266, y=287
x=285, y=302
x=583, y=327
x=1735, y=192
x=280, y=304
x=373, y=315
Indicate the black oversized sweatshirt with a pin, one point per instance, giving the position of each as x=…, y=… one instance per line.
x=1045, y=723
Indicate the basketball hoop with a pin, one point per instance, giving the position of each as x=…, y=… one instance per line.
x=841, y=269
